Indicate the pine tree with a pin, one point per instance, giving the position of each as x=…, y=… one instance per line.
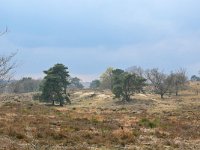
x=55, y=84
x=125, y=84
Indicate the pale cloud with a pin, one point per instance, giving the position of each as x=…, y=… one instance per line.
x=88, y=36
x=167, y=54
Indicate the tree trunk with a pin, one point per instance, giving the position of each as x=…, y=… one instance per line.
x=176, y=93
x=161, y=95
x=128, y=99
x=177, y=89
x=61, y=102
x=53, y=102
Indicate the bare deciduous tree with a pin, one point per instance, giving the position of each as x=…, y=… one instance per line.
x=159, y=80
x=6, y=69
x=195, y=87
x=136, y=70
x=106, y=79
x=6, y=66
x=178, y=79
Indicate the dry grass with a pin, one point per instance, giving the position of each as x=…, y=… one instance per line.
x=146, y=123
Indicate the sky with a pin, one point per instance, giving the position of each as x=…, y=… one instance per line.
x=89, y=36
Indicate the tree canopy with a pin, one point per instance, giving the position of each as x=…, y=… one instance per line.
x=125, y=84
x=55, y=84
x=178, y=80
x=95, y=84
x=159, y=80
x=75, y=83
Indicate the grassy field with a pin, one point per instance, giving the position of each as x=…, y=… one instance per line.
x=95, y=120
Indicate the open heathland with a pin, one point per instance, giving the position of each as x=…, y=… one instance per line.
x=95, y=120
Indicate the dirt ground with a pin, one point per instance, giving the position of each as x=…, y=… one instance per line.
x=96, y=121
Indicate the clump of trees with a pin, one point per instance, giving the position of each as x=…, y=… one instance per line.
x=164, y=83
x=125, y=84
x=95, y=84
x=195, y=78
x=55, y=84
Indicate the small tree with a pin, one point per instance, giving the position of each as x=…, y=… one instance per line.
x=195, y=87
x=75, y=83
x=178, y=80
x=159, y=80
x=6, y=68
x=124, y=84
x=117, y=82
x=55, y=84
x=195, y=78
x=95, y=84
x=106, y=79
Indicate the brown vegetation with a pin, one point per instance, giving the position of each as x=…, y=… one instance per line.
x=99, y=122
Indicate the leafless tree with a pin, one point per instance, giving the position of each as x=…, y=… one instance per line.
x=195, y=87
x=159, y=80
x=136, y=70
x=6, y=66
x=6, y=69
x=179, y=79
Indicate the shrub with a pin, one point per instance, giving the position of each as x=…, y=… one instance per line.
x=148, y=123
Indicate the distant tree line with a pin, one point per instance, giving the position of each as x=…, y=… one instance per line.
x=122, y=83
x=133, y=80
x=24, y=85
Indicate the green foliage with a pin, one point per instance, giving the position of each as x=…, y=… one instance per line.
x=95, y=84
x=148, y=124
x=124, y=84
x=55, y=84
x=195, y=78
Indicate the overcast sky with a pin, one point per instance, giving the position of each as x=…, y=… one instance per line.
x=90, y=35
